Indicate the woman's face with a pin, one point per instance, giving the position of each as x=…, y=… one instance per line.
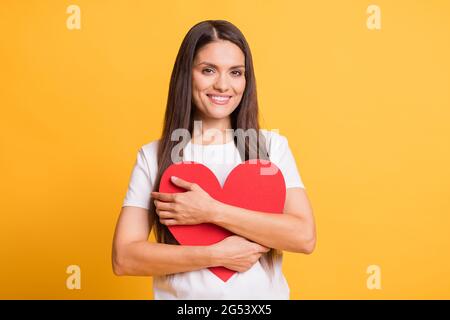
x=218, y=79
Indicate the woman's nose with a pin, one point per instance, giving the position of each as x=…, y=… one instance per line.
x=221, y=83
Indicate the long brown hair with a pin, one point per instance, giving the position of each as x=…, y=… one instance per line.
x=180, y=108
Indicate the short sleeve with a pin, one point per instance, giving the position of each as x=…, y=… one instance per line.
x=140, y=183
x=281, y=155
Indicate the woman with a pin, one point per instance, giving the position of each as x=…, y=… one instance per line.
x=213, y=84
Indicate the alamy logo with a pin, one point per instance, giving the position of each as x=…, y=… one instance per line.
x=73, y=21
x=374, y=279
x=374, y=19
x=73, y=281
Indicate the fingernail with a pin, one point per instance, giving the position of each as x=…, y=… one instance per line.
x=174, y=178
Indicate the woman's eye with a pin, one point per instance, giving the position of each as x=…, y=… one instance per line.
x=207, y=69
x=210, y=71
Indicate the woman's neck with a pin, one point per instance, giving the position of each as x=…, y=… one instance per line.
x=212, y=131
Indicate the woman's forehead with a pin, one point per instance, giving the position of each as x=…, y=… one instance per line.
x=220, y=54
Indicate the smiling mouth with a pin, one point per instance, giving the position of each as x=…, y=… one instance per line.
x=220, y=100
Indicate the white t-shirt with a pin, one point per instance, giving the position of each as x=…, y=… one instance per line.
x=255, y=283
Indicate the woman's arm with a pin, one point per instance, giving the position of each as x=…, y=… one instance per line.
x=133, y=255
x=294, y=230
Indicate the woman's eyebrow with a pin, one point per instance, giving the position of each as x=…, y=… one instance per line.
x=214, y=66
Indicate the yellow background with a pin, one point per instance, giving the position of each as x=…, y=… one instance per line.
x=366, y=113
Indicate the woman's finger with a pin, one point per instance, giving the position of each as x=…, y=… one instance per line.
x=182, y=183
x=161, y=205
x=168, y=197
x=168, y=222
x=166, y=214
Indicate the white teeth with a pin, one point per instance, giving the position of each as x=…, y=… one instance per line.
x=219, y=98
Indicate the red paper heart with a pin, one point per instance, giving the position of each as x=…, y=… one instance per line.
x=254, y=184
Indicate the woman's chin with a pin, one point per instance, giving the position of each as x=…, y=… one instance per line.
x=217, y=113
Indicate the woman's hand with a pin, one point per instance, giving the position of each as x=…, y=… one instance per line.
x=192, y=207
x=237, y=253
